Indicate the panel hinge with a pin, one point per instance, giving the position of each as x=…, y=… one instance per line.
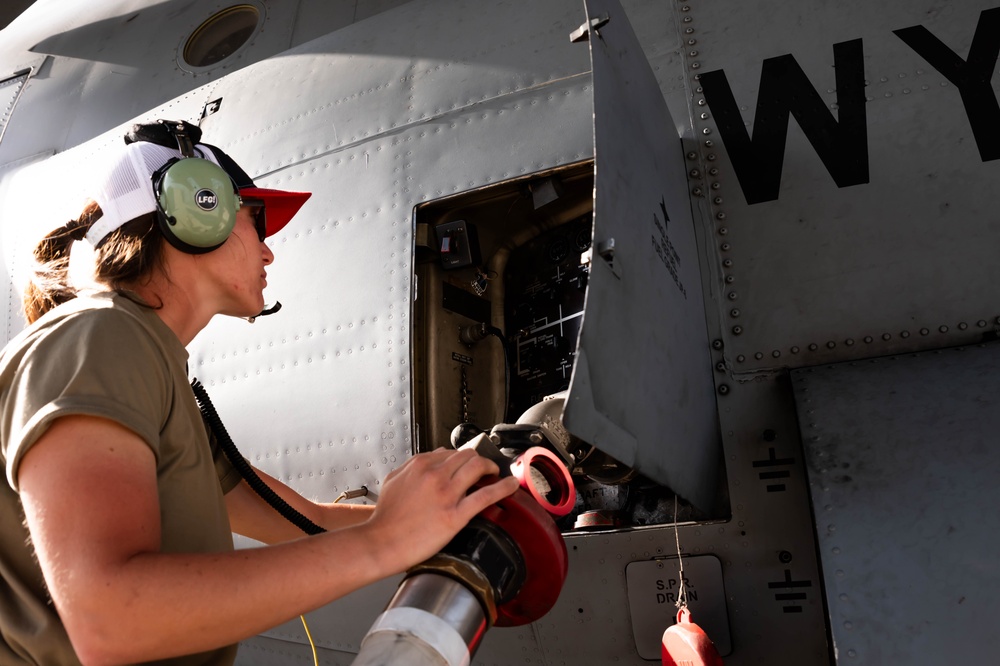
x=582, y=33
x=606, y=250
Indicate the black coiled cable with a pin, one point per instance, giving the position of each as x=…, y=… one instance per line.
x=470, y=335
x=498, y=334
x=243, y=467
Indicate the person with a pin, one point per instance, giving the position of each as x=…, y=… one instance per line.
x=118, y=511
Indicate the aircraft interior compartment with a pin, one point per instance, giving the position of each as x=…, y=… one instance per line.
x=502, y=276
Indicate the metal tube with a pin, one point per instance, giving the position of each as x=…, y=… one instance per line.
x=432, y=619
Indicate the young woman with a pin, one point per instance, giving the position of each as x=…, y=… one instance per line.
x=116, y=518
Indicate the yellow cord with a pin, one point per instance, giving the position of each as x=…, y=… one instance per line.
x=309, y=636
x=347, y=494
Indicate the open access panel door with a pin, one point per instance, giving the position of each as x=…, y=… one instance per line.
x=642, y=388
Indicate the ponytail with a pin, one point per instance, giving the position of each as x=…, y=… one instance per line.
x=50, y=285
x=124, y=258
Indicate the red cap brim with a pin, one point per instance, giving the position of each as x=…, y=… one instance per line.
x=279, y=205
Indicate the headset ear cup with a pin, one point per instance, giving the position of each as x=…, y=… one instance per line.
x=198, y=204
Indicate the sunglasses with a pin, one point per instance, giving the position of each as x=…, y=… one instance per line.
x=257, y=209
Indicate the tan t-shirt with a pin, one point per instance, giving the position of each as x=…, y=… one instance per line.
x=104, y=356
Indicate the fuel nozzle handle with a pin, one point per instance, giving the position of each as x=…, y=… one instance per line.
x=484, y=446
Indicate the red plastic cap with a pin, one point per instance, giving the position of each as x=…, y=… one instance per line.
x=686, y=644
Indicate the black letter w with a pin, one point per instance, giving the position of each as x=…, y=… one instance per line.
x=784, y=89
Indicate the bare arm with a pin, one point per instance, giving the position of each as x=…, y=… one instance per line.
x=88, y=488
x=252, y=517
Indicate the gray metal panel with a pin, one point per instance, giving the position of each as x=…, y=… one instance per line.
x=145, y=38
x=115, y=59
x=903, y=467
x=647, y=289
x=827, y=273
x=407, y=69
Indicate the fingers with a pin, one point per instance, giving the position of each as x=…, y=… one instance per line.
x=432, y=490
x=459, y=471
x=456, y=468
x=467, y=467
x=488, y=495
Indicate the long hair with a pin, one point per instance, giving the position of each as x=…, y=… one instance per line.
x=124, y=258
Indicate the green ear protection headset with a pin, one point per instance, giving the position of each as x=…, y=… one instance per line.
x=196, y=199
